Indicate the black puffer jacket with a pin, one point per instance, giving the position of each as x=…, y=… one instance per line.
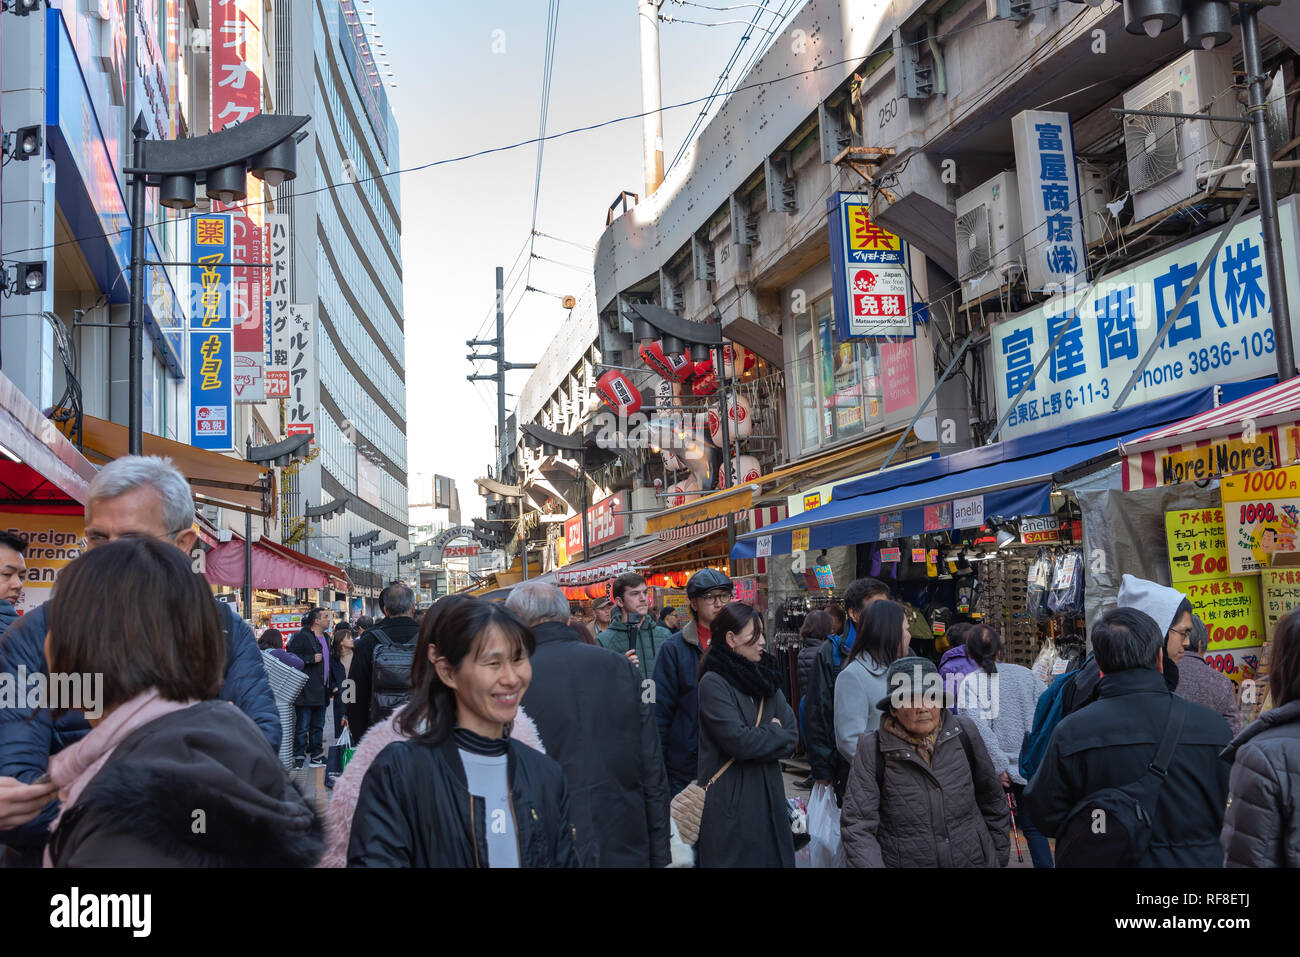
x=950, y=813
x=306, y=646
x=415, y=810
x=1262, y=828
x=590, y=709
x=142, y=808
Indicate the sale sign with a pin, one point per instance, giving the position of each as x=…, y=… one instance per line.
x=1040, y=530
x=1198, y=545
x=1262, y=512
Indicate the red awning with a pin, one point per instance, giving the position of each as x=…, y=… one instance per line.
x=637, y=556
x=274, y=566
x=1280, y=402
x=40, y=470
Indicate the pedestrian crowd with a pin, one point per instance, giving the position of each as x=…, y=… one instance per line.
x=520, y=734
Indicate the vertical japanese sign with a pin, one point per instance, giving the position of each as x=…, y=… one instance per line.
x=211, y=335
x=302, y=370
x=1050, y=209
x=873, y=294
x=249, y=311
x=236, y=92
x=277, y=254
x=1223, y=334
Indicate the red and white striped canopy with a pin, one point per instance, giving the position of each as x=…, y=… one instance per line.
x=1265, y=407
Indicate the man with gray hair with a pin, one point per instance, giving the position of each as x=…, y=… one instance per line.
x=141, y=496
x=1201, y=682
x=594, y=713
x=378, y=682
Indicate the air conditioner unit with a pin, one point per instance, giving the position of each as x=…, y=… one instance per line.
x=990, y=240
x=1094, y=194
x=1165, y=153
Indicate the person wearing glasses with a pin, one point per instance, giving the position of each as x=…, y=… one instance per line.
x=140, y=497
x=676, y=677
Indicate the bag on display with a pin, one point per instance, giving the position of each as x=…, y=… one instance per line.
x=1066, y=598
x=1040, y=584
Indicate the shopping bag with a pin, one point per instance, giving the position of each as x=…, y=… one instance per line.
x=683, y=855
x=339, y=754
x=824, y=827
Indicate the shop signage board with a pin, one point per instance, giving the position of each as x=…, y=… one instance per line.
x=52, y=542
x=1281, y=590
x=869, y=273
x=812, y=501
x=891, y=525
x=303, y=378
x=763, y=546
x=746, y=589
x=799, y=539
x=1051, y=212
x=918, y=556
x=276, y=236
x=1223, y=334
x=968, y=512
x=824, y=577
x=1223, y=457
x=603, y=525
x=891, y=554
x=1040, y=530
x=1232, y=610
x=1198, y=545
x=1262, y=513
x=938, y=518
x=212, y=396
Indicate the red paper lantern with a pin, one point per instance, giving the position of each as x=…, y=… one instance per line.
x=598, y=591
x=702, y=368
x=706, y=385
x=617, y=389
x=672, y=369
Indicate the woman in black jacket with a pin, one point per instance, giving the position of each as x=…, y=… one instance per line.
x=1261, y=828
x=309, y=726
x=459, y=792
x=746, y=727
x=168, y=776
x=340, y=665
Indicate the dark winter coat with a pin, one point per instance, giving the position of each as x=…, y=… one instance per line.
x=27, y=740
x=415, y=810
x=140, y=809
x=948, y=813
x=677, y=713
x=804, y=667
x=307, y=646
x=819, y=711
x=401, y=630
x=648, y=638
x=1262, y=826
x=746, y=821
x=588, y=706
x=1110, y=743
x=8, y=615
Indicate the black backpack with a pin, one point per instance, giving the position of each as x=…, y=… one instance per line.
x=390, y=675
x=1112, y=827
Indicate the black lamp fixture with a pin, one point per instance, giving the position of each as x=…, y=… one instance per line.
x=24, y=8
x=1206, y=26
x=328, y=509
x=30, y=278
x=27, y=142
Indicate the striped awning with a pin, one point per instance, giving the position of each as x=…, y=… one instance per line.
x=1263, y=408
x=638, y=555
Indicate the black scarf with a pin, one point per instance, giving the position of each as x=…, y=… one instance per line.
x=467, y=740
x=759, y=680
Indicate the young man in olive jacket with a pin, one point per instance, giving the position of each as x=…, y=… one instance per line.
x=636, y=636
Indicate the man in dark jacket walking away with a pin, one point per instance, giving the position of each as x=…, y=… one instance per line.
x=1112, y=742
x=311, y=645
x=134, y=495
x=588, y=705
x=636, y=635
x=828, y=765
x=370, y=699
x=677, y=678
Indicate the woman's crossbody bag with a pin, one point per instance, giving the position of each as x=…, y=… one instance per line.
x=687, y=807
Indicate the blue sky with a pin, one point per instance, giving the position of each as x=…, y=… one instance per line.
x=455, y=95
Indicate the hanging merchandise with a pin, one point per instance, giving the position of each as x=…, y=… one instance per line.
x=1040, y=583
x=966, y=594
x=1066, y=598
x=1044, y=667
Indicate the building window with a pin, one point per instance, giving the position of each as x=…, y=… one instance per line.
x=838, y=389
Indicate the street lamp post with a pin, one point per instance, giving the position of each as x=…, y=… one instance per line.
x=368, y=538
x=264, y=145
x=280, y=453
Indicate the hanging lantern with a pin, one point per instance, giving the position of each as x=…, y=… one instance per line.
x=734, y=359
x=706, y=385
x=702, y=368
x=664, y=395
x=597, y=591
x=740, y=420
x=675, y=368
x=617, y=389
x=671, y=461
x=745, y=469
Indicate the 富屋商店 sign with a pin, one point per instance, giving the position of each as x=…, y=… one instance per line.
x=1223, y=457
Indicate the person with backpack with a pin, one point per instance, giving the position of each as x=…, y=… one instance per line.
x=136, y=495
x=1000, y=698
x=312, y=646
x=1261, y=828
x=922, y=791
x=1137, y=745
x=828, y=766
x=882, y=638
x=381, y=662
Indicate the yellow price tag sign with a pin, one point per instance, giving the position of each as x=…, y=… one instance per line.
x=799, y=540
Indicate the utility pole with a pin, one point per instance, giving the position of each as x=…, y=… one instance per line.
x=652, y=123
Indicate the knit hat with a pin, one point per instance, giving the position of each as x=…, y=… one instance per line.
x=908, y=677
x=1158, y=601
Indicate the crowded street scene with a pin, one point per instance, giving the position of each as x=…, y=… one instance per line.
x=875, y=445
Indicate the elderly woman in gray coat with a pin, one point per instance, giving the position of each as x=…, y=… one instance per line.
x=922, y=791
x=1261, y=827
x=746, y=727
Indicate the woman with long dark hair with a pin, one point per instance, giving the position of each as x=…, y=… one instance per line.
x=458, y=791
x=1261, y=828
x=746, y=727
x=883, y=637
x=345, y=641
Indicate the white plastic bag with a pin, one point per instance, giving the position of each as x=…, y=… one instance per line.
x=824, y=827
x=683, y=855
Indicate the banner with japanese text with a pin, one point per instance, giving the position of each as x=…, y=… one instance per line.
x=304, y=382
x=869, y=273
x=1051, y=213
x=211, y=335
x=1223, y=334
x=276, y=235
x=1262, y=512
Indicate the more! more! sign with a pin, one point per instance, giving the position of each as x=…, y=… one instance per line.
x=1224, y=457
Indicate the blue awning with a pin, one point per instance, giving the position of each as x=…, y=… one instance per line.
x=1015, y=477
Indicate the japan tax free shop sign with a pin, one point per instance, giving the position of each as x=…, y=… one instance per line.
x=1223, y=334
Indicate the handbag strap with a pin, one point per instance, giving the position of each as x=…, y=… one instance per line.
x=717, y=774
x=1173, y=728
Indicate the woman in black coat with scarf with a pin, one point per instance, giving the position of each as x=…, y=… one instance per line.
x=744, y=720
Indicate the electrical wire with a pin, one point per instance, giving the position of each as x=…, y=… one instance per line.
x=548, y=72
